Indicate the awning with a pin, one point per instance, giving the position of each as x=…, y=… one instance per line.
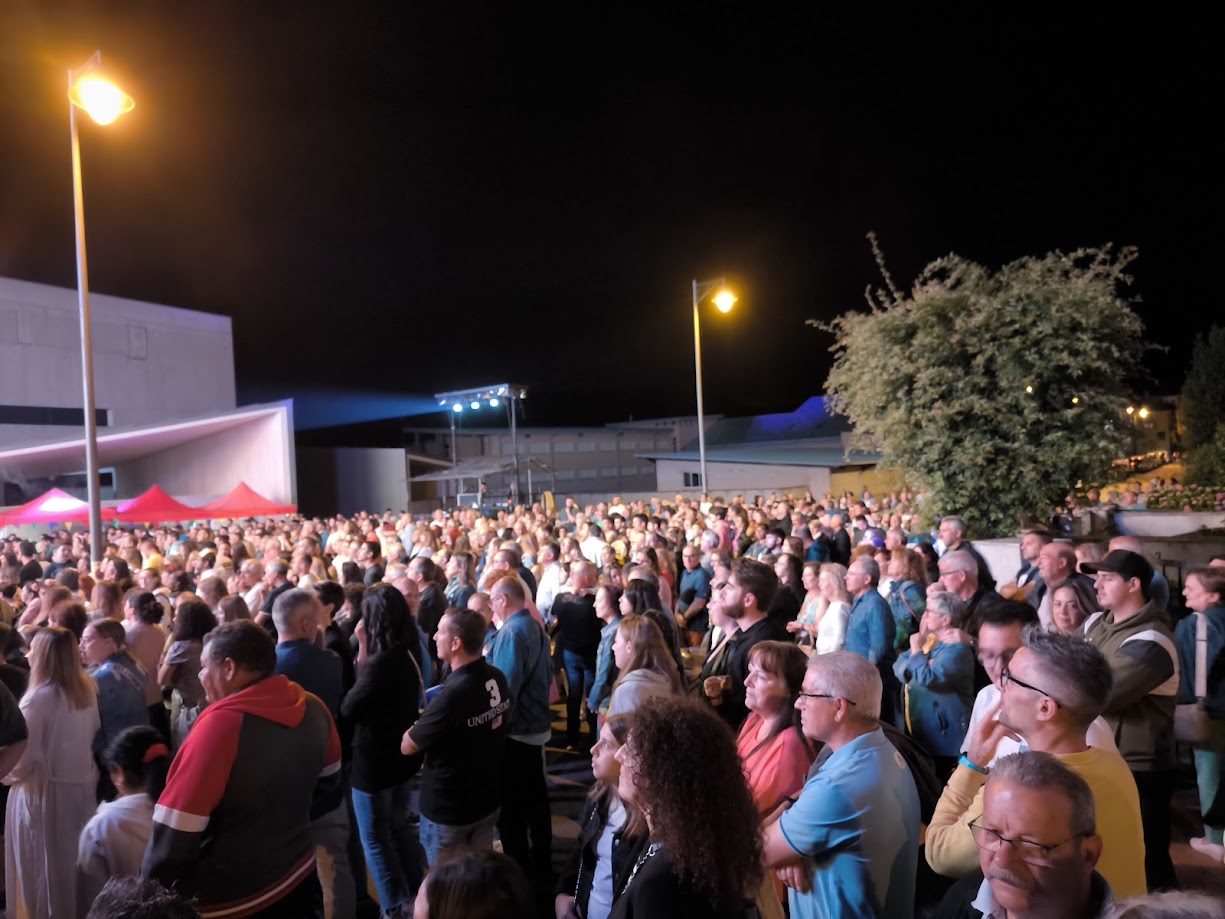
x=53, y=507
x=244, y=501
x=155, y=506
x=483, y=467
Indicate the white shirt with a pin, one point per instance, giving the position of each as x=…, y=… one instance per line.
x=548, y=588
x=1099, y=734
x=600, y=902
x=831, y=630
x=113, y=844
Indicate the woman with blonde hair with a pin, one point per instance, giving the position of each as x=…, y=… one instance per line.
x=646, y=665
x=54, y=783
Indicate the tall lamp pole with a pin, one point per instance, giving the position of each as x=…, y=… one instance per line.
x=88, y=89
x=724, y=300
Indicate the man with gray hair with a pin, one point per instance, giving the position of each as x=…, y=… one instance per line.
x=1037, y=846
x=1053, y=688
x=959, y=574
x=298, y=616
x=849, y=844
x=953, y=535
x=937, y=681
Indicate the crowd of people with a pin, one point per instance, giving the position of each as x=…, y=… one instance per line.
x=793, y=706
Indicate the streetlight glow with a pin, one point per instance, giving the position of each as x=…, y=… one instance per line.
x=101, y=99
x=724, y=300
x=1144, y=413
x=1131, y=409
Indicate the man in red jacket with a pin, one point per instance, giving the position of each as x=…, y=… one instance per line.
x=232, y=828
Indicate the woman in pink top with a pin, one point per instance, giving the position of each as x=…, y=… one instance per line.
x=775, y=753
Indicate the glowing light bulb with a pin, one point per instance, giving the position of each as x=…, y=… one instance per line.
x=100, y=98
x=725, y=300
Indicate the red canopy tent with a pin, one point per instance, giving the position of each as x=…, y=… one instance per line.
x=53, y=507
x=155, y=506
x=244, y=501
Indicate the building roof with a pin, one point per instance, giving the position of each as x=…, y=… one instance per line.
x=787, y=453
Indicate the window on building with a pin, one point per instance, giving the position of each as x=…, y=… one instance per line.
x=693, y=480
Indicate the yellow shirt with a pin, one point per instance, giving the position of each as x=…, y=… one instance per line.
x=950, y=846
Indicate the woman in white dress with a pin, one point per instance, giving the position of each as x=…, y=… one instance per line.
x=113, y=842
x=53, y=784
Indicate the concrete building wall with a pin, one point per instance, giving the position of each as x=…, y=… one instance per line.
x=346, y=480
x=259, y=452
x=151, y=362
x=728, y=478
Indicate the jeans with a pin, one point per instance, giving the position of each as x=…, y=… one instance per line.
x=1208, y=775
x=1155, y=790
x=580, y=677
x=393, y=853
x=330, y=833
x=525, y=810
x=438, y=837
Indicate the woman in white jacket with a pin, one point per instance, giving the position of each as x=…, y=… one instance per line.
x=645, y=664
x=113, y=842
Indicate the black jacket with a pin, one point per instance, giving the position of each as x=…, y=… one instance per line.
x=577, y=878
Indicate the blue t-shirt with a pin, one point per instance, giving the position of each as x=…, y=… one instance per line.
x=857, y=821
x=694, y=585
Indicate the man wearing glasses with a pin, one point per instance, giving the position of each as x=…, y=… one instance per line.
x=692, y=595
x=1052, y=689
x=1038, y=846
x=849, y=844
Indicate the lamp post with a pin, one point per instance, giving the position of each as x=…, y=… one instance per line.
x=88, y=89
x=724, y=300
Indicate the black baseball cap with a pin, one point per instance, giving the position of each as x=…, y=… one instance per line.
x=1124, y=563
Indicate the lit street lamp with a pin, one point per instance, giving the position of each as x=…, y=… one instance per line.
x=724, y=300
x=90, y=90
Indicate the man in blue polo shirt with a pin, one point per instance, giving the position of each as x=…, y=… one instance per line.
x=850, y=843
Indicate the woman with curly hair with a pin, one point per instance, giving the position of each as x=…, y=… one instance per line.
x=700, y=861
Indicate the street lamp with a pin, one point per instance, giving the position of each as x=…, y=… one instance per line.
x=724, y=300
x=90, y=90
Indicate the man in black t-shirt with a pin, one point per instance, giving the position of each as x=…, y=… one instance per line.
x=463, y=734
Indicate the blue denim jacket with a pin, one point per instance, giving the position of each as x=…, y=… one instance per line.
x=521, y=651
x=938, y=696
x=870, y=629
x=121, y=697
x=602, y=688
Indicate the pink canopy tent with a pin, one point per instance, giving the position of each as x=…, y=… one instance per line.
x=53, y=507
x=244, y=501
x=155, y=506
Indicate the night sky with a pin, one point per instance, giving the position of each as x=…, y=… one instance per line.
x=405, y=198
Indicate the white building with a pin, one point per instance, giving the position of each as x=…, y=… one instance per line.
x=164, y=395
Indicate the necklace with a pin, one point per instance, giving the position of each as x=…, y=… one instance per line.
x=642, y=860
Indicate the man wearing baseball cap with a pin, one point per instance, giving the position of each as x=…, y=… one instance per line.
x=1136, y=639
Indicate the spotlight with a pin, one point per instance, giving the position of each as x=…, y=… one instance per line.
x=457, y=408
x=493, y=403
x=475, y=404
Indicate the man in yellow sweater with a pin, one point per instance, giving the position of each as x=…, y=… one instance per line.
x=1053, y=688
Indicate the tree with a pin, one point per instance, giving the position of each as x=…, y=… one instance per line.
x=1203, y=392
x=999, y=389
x=1206, y=462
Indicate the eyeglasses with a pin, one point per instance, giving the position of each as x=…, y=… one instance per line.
x=1032, y=853
x=820, y=695
x=1007, y=677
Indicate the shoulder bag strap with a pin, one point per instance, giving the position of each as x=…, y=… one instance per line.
x=420, y=680
x=1201, y=656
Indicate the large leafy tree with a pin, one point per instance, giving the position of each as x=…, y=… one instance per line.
x=1203, y=392
x=999, y=389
